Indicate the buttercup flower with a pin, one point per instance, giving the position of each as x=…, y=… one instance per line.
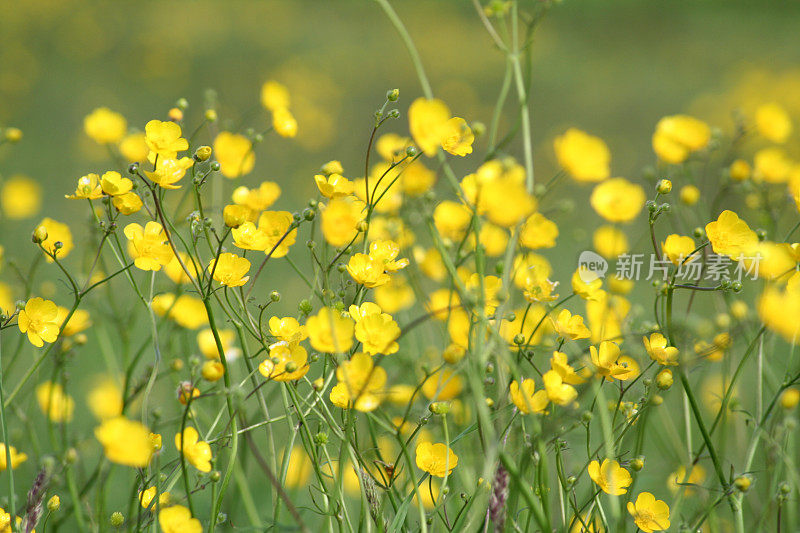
x=658, y=350
x=606, y=361
x=610, y=477
x=234, y=153
x=618, y=200
x=678, y=136
x=54, y=402
x=284, y=122
x=230, y=269
x=436, y=459
x=105, y=399
x=40, y=321
x=333, y=185
x=585, y=157
x=125, y=442
x=113, y=184
x=276, y=225
x=104, y=126
x=257, y=199
x=164, y=139
x=649, y=514
x=88, y=188
x=17, y=458
x=146, y=498
x=773, y=122
x=360, y=384
x=20, y=197
x=196, y=451
x=378, y=333
x=524, y=397
x=457, y=137
x=570, y=326
x=610, y=241
x=560, y=366
x=287, y=361
x=56, y=232
x=678, y=249
x=329, y=331
x=178, y=519
x=558, y=392
x=274, y=95
x=249, y=237
x=127, y=203
x=147, y=246
x=538, y=232
x=367, y=271
x=427, y=120
x=169, y=171
x=386, y=252
x=287, y=329
x=340, y=219
x=730, y=235
x=133, y=147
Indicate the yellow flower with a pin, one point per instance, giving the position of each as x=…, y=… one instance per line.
x=287, y=361
x=256, y=200
x=494, y=239
x=427, y=122
x=779, y=309
x=125, y=442
x=208, y=345
x=679, y=479
x=329, y=331
x=5, y=522
x=610, y=241
x=678, y=136
x=773, y=123
x=506, y=202
x=610, y=477
x=147, y=246
x=559, y=364
x=360, y=384
x=88, y=188
x=416, y=179
x=367, y=270
x=678, y=249
x=114, y=184
x=230, y=269
x=56, y=232
x=386, y=252
x=40, y=321
x=617, y=200
x=106, y=399
x=585, y=157
x=249, y=237
x=20, y=197
x=397, y=295
x=276, y=225
x=127, y=203
x=333, y=185
x=739, y=170
x=284, y=122
x=274, y=95
x=187, y=311
x=538, y=232
x=79, y=321
x=133, y=147
x=196, y=451
x=689, y=194
x=300, y=468
x=164, y=139
x=559, y=392
x=649, y=514
x=452, y=219
x=658, y=350
x=178, y=519
x=54, y=402
x=104, y=126
x=524, y=397
x=175, y=271
x=16, y=457
x=212, y=371
x=234, y=153
x=340, y=219
x=146, y=498
x=606, y=361
x=443, y=385
x=378, y=333
x=586, y=284
x=457, y=137
x=570, y=326
x=287, y=329
x=772, y=165
x=436, y=459
x=169, y=171
x=730, y=235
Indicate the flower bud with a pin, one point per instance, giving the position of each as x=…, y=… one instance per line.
x=318, y=384
x=657, y=399
x=321, y=438
x=637, y=464
x=71, y=456
x=176, y=365
x=54, y=503
x=175, y=114
x=39, y=234
x=275, y=296
x=117, y=519
x=215, y=476
x=309, y=214
x=211, y=115
x=393, y=95
x=664, y=379
x=439, y=408
x=212, y=371
x=790, y=398
x=234, y=215
x=664, y=186
x=202, y=153
x=742, y=483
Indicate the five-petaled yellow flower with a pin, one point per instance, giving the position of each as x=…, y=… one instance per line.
x=148, y=245
x=360, y=384
x=436, y=459
x=649, y=514
x=40, y=321
x=196, y=451
x=658, y=350
x=178, y=519
x=527, y=398
x=230, y=269
x=126, y=442
x=164, y=139
x=610, y=477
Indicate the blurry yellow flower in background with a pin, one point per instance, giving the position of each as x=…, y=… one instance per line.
x=739, y=170
x=452, y=219
x=17, y=458
x=229, y=269
x=54, y=402
x=610, y=241
x=300, y=468
x=133, y=147
x=526, y=398
x=329, y=331
x=340, y=219
x=126, y=442
x=618, y=200
x=79, y=321
x=538, y=232
x=196, y=451
x=689, y=194
x=731, y=236
x=187, y=311
x=104, y=126
x=679, y=479
x=773, y=122
x=779, y=308
x=208, y=345
x=426, y=122
x=360, y=384
x=771, y=165
x=235, y=154
x=56, y=232
x=146, y=498
x=585, y=157
x=274, y=95
x=610, y=476
x=178, y=519
x=443, y=385
x=436, y=459
x=147, y=246
x=20, y=197
x=284, y=122
x=677, y=136
x=40, y=321
x=105, y=399
x=257, y=199
x=175, y=271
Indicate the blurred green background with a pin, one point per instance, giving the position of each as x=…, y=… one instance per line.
x=610, y=68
